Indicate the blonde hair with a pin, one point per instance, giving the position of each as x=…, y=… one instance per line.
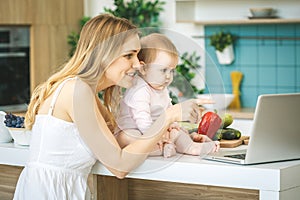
x=99, y=45
x=151, y=44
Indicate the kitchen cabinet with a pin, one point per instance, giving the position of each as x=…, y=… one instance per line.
x=218, y=12
x=50, y=23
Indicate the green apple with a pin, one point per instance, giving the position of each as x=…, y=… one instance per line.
x=227, y=120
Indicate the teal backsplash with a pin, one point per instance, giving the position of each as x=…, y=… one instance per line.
x=269, y=65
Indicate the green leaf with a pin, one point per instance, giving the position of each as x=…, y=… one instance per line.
x=142, y=13
x=221, y=40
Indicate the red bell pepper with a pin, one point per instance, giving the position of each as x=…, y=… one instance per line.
x=209, y=124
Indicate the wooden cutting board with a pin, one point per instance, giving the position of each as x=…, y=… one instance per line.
x=234, y=143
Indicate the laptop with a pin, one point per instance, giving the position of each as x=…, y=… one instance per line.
x=275, y=135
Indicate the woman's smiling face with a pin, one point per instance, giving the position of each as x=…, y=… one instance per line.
x=123, y=69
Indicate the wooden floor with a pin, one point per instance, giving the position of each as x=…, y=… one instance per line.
x=111, y=188
x=8, y=179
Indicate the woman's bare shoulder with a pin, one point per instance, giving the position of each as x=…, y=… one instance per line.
x=78, y=87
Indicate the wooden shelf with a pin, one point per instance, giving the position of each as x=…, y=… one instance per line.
x=242, y=21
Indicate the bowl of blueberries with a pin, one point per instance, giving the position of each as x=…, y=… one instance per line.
x=15, y=125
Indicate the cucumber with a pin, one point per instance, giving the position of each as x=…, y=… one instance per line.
x=218, y=135
x=230, y=134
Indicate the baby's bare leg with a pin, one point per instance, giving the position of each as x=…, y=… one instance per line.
x=184, y=144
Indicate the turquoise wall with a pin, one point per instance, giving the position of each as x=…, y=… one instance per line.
x=268, y=65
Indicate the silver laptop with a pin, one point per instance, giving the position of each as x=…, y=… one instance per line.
x=275, y=135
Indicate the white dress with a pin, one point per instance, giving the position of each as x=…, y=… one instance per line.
x=59, y=161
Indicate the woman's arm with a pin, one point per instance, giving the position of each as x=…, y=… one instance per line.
x=94, y=131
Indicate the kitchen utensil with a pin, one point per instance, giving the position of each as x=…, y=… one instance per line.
x=221, y=101
x=236, y=78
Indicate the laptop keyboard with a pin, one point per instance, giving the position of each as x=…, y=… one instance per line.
x=238, y=156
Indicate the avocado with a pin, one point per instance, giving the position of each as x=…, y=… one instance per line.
x=230, y=134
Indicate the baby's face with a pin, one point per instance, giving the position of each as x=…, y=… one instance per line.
x=159, y=73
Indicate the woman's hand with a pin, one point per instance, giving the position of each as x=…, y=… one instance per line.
x=165, y=139
x=174, y=125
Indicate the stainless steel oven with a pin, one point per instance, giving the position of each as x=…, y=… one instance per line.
x=14, y=68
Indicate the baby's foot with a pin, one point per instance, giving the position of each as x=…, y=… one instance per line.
x=169, y=150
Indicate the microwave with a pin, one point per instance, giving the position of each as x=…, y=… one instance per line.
x=14, y=36
x=4, y=37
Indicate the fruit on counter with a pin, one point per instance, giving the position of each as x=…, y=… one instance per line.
x=230, y=133
x=227, y=120
x=209, y=124
x=14, y=121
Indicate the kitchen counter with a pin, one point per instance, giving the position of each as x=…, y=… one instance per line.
x=242, y=113
x=276, y=181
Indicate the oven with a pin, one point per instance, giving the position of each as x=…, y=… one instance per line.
x=14, y=68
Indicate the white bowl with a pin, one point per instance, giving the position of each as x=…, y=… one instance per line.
x=4, y=133
x=261, y=12
x=21, y=136
x=221, y=101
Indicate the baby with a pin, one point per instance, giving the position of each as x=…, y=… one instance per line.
x=143, y=103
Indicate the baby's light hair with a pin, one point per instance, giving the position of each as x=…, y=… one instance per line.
x=152, y=44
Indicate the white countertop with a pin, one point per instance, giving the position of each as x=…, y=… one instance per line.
x=193, y=170
x=275, y=177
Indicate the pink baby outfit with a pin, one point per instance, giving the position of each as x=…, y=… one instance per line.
x=141, y=106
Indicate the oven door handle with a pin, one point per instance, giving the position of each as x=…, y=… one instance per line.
x=12, y=54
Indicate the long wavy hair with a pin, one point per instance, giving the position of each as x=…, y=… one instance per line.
x=100, y=43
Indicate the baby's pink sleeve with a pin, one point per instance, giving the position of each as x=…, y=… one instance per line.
x=139, y=106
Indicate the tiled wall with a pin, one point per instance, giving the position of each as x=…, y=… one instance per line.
x=268, y=65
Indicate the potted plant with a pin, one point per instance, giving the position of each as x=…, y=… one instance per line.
x=223, y=44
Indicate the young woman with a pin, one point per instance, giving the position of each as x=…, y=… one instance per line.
x=71, y=128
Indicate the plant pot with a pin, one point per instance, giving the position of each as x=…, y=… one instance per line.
x=227, y=56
